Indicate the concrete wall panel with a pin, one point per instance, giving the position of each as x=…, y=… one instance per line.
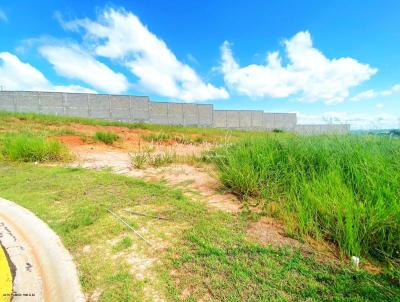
x=51, y=99
x=99, y=102
x=27, y=101
x=175, y=114
x=269, y=121
x=119, y=101
x=99, y=106
x=140, y=109
x=190, y=114
x=322, y=129
x=77, y=100
x=158, y=113
x=120, y=108
x=257, y=118
x=76, y=111
x=121, y=114
x=205, y=115
x=53, y=110
x=232, y=119
x=103, y=114
x=7, y=101
x=245, y=119
x=219, y=119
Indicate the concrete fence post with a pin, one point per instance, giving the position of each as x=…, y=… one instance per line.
x=14, y=102
x=109, y=106
x=64, y=103
x=39, y=102
x=89, y=109
x=131, y=114
x=198, y=115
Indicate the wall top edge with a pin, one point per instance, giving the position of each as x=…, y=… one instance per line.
x=39, y=91
x=322, y=125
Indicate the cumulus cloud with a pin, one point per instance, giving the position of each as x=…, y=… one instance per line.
x=371, y=93
x=74, y=63
x=356, y=120
x=308, y=74
x=17, y=75
x=120, y=35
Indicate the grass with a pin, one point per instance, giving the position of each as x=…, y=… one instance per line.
x=29, y=121
x=106, y=137
x=123, y=244
x=157, y=137
x=29, y=147
x=339, y=188
x=179, y=138
x=207, y=254
x=75, y=206
x=143, y=159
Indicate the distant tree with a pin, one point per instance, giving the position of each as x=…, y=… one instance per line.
x=395, y=132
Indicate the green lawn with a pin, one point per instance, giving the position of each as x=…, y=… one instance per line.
x=200, y=254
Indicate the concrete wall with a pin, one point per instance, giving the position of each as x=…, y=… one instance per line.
x=141, y=109
x=322, y=129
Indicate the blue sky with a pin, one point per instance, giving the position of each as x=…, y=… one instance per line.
x=329, y=61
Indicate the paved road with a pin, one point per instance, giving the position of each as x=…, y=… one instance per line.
x=45, y=271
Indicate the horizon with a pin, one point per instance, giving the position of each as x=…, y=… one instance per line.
x=329, y=63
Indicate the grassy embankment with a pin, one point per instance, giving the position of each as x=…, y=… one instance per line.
x=338, y=188
x=199, y=254
x=207, y=253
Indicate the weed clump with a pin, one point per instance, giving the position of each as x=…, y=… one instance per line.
x=106, y=137
x=341, y=188
x=29, y=147
x=156, y=137
x=142, y=159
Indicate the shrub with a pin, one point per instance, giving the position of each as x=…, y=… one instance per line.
x=156, y=137
x=139, y=160
x=106, y=137
x=31, y=148
x=341, y=188
x=163, y=159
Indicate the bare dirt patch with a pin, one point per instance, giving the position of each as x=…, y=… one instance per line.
x=269, y=231
x=195, y=181
x=70, y=140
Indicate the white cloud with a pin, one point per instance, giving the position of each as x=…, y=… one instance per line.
x=17, y=75
x=3, y=16
x=120, y=35
x=74, y=63
x=356, y=120
x=308, y=73
x=371, y=93
x=380, y=105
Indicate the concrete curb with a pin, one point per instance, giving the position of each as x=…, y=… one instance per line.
x=45, y=270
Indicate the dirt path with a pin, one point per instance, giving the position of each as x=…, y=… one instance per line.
x=199, y=182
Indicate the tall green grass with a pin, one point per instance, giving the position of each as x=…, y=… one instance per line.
x=341, y=188
x=29, y=147
x=106, y=137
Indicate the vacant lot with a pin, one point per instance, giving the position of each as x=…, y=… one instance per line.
x=333, y=196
